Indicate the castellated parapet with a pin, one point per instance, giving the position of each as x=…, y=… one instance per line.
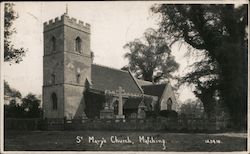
x=67, y=21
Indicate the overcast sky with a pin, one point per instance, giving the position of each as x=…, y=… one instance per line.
x=113, y=24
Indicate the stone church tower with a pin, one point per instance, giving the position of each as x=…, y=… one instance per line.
x=66, y=67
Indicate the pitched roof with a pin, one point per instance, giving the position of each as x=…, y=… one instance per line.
x=106, y=78
x=155, y=90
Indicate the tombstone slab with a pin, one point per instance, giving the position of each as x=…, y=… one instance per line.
x=120, y=118
x=106, y=114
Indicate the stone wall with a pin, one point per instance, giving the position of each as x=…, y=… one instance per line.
x=74, y=103
x=76, y=65
x=71, y=34
x=47, y=101
x=58, y=34
x=53, y=64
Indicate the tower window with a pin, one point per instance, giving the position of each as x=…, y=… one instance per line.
x=53, y=79
x=169, y=104
x=78, y=77
x=54, y=101
x=87, y=84
x=78, y=43
x=53, y=41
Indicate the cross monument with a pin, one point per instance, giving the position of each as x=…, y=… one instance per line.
x=120, y=92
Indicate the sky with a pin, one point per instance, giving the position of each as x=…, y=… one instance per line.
x=113, y=24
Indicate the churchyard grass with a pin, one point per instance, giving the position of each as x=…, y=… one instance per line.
x=67, y=140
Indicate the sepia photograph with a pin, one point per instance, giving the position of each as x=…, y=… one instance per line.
x=124, y=76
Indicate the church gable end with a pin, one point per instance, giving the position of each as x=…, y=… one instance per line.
x=165, y=94
x=168, y=100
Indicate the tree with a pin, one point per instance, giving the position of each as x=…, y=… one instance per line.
x=31, y=106
x=150, y=58
x=205, y=78
x=219, y=32
x=8, y=91
x=11, y=54
x=192, y=107
x=168, y=113
x=13, y=110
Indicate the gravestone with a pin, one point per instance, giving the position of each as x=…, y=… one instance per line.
x=84, y=117
x=141, y=114
x=106, y=113
x=141, y=111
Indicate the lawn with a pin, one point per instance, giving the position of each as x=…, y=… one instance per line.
x=131, y=141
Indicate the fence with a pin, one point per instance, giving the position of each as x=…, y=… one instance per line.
x=23, y=124
x=158, y=124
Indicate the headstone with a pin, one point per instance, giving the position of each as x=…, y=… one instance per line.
x=84, y=117
x=106, y=114
x=141, y=114
x=141, y=111
x=133, y=115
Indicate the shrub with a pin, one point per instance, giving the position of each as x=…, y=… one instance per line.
x=169, y=113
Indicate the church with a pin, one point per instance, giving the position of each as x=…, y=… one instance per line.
x=74, y=87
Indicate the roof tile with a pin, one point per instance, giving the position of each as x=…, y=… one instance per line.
x=155, y=90
x=106, y=78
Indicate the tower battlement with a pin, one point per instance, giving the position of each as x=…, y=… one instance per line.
x=66, y=20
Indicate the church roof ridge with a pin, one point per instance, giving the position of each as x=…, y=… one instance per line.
x=144, y=80
x=110, y=67
x=166, y=83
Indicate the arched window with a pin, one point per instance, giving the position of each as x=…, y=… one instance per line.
x=87, y=84
x=53, y=79
x=78, y=43
x=169, y=104
x=53, y=41
x=151, y=107
x=54, y=101
x=78, y=77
